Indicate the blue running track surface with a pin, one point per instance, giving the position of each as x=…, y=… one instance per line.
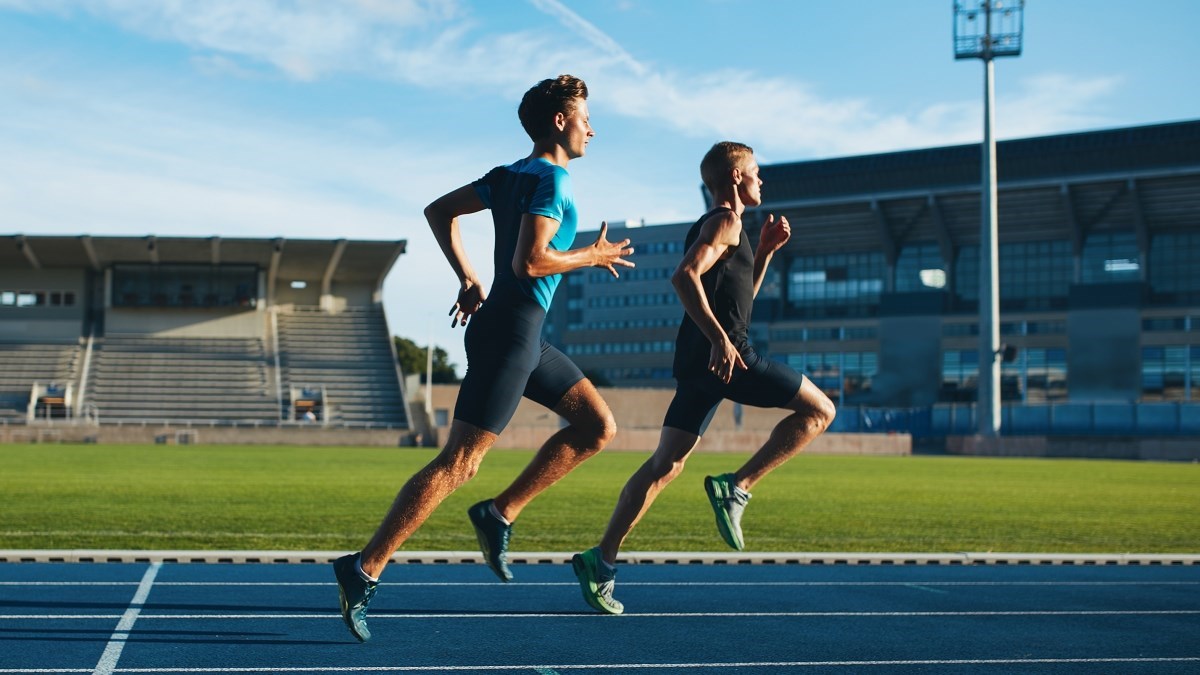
x=457, y=618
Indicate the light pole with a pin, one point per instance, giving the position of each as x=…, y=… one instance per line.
x=985, y=29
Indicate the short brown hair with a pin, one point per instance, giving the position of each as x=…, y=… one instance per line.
x=547, y=98
x=722, y=158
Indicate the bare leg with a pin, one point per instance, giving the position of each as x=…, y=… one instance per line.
x=642, y=488
x=590, y=427
x=812, y=414
x=454, y=466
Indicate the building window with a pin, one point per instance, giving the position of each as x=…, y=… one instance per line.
x=1033, y=275
x=1174, y=275
x=1044, y=374
x=846, y=284
x=841, y=375
x=1165, y=372
x=1110, y=257
x=920, y=268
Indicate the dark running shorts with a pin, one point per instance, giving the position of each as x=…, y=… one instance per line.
x=507, y=359
x=764, y=384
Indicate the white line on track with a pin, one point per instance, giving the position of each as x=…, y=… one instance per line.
x=630, y=666
x=261, y=616
x=116, y=643
x=518, y=584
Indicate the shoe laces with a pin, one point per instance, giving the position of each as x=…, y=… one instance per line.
x=368, y=593
x=605, y=588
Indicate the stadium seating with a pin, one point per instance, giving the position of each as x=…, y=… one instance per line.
x=182, y=380
x=23, y=363
x=348, y=354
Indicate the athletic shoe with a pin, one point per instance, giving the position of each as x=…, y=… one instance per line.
x=596, y=581
x=493, y=535
x=355, y=594
x=728, y=502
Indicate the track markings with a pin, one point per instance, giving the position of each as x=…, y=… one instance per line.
x=116, y=643
x=547, y=669
x=520, y=584
x=262, y=616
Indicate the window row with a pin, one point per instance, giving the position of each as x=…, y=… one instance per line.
x=594, y=348
x=636, y=300
x=37, y=299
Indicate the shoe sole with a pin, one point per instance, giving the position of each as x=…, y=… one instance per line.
x=588, y=588
x=724, y=526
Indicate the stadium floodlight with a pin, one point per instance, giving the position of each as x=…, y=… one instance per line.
x=985, y=29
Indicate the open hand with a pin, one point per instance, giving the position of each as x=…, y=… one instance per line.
x=470, y=299
x=607, y=253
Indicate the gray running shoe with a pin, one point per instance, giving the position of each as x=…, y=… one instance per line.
x=493, y=537
x=728, y=502
x=355, y=594
x=596, y=581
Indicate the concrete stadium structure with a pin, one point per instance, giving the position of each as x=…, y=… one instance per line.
x=875, y=297
x=129, y=337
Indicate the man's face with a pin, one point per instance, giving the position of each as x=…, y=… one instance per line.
x=750, y=188
x=578, y=130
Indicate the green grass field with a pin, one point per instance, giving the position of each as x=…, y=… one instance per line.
x=303, y=498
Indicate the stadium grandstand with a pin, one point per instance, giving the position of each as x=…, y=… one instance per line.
x=875, y=297
x=134, y=336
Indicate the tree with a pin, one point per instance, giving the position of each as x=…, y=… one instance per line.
x=412, y=361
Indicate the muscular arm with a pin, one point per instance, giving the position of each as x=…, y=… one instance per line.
x=534, y=257
x=442, y=216
x=717, y=235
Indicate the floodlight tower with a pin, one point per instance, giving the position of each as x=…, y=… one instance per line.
x=985, y=29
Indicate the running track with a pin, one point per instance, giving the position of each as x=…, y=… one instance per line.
x=166, y=617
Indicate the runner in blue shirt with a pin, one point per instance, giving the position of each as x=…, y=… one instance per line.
x=533, y=210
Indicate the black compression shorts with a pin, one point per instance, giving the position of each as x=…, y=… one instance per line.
x=508, y=359
x=764, y=384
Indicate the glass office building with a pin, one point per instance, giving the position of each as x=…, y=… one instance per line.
x=875, y=297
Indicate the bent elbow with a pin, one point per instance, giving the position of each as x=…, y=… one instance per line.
x=523, y=270
x=679, y=278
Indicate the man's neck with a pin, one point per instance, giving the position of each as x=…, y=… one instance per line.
x=729, y=201
x=551, y=152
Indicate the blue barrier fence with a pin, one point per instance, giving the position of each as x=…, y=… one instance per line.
x=1061, y=419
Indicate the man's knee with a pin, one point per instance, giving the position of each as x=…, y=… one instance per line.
x=818, y=411
x=602, y=427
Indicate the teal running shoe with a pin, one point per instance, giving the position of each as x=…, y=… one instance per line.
x=728, y=502
x=493, y=535
x=355, y=594
x=596, y=581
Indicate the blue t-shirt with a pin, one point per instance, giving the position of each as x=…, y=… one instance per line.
x=534, y=186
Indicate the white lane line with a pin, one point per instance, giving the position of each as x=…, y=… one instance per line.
x=928, y=588
x=517, y=584
x=116, y=643
x=261, y=616
x=630, y=666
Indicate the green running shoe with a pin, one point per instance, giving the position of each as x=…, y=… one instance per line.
x=728, y=502
x=596, y=581
x=355, y=594
x=493, y=535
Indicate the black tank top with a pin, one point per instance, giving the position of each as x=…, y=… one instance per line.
x=729, y=288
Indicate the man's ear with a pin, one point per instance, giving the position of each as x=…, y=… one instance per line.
x=736, y=175
x=560, y=120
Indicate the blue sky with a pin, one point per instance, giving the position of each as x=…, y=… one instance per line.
x=343, y=118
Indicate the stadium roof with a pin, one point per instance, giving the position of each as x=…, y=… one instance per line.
x=1143, y=180
x=1156, y=149
x=300, y=259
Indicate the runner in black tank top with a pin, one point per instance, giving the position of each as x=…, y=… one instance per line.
x=716, y=281
x=729, y=287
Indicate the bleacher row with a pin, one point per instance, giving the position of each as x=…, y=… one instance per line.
x=225, y=380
